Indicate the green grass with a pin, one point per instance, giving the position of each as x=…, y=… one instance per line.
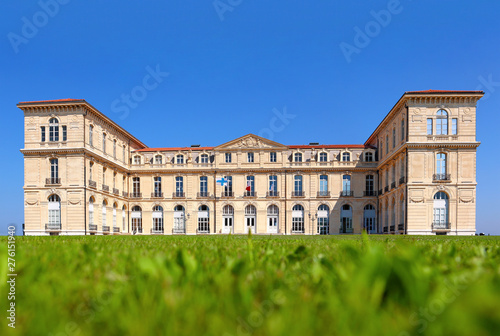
x=236, y=285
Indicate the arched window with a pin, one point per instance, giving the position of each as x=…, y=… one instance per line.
x=54, y=208
x=250, y=218
x=369, y=219
x=53, y=129
x=368, y=157
x=104, y=224
x=157, y=219
x=440, y=167
x=323, y=186
x=179, y=219
x=323, y=219
x=179, y=159
x=272, y=219
x=298, y=219
x=297, y=186
x=204, y=158
x=179, y=186
x=323, y=157
x=203, y=219
x=346, y=219
x=297, y=157
x=227, y=219
x=442, y=122
x=441, y=213
x=136, y=219
x=346, y=156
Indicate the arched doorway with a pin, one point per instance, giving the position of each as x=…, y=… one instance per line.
x=227, y=219
x=250, y=218
x=203, y=219
x=346, y=219
x=323, y=219
x=369, y=219
x=298, y=219
x=441, y=213
x=272, y=219
x=136, y=219
x=179, y=220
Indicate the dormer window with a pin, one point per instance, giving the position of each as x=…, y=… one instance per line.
x=323, y=157
x=297, y=157
x=368, y=157
x=179, y=159
x=158, y=159
x=346, y=156
x=204, y=158
x=137, y=159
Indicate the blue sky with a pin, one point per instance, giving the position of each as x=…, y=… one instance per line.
x=225, y=68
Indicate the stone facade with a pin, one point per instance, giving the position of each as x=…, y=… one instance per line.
x=416, y=174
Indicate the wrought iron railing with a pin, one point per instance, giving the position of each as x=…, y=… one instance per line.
x=298, y=194
x=92, y=227
x=250, y=194
x=105, y=187
x=437, y=225
x=116, y=191
x=402, y=180
x=203, y=194
x=136, y=195
x=323, y=194
x=53, y=227
x=53, y=180
x=92, y=184
x=273, y=194
x=441, y=177
x=178, y=194
x=157, y=194
x=347, y=193
x=370, y=193
x=105, y=228
x=227, y=194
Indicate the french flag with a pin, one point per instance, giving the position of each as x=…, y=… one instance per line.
x=249, y=186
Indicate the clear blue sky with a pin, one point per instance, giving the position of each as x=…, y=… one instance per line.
x=229, y=66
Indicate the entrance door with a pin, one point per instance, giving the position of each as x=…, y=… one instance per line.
x=272, y=224
x=250, y=220
x=228, y=224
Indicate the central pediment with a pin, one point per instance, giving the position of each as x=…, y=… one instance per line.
x=251, y=141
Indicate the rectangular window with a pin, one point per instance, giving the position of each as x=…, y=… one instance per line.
x=369, y=185
x=228, y=157
x=387, y=142
x=137, y=160
x=114, y=179
x=179, y=185
x=91, y=135
x=43, y=133
x=429, y=126
x=250, y=184
x=103, y=175
x=323, y=185
x=454, y=123
x=272, y=157
x=229, y=185
x=273, y=184
x=157, y=182
x=402, y=130
x=393, y=137
x=250, y=157
x=114, y=149
x=104, y=143
x=64, y=133
x=346, y=183
x=298, y=184
x=136, y=186
x=54, y=169
x=203, y=185
x=123, y=154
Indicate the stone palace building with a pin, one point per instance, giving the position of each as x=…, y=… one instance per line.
x=416, y=174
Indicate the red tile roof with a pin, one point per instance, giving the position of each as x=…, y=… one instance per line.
x=51, y=101
x=174, y=149
x=325, y=146
x=445, y=91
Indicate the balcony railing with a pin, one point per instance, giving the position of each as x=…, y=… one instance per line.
x=178, y=194
x=273, y=194
x=92, y=184
x=116, y=191
x=137, y=229
x=136, y=195
x=386, y=189
x=105, y=188
x=441, y=177
x=393, y=185
x=250, y=194
x=157, y=194
x=380, y=191
x=53, y=227
x=105, y=228
x=157, y=231
x=441, y=226
x=116, y=229
x=347, y=193
x=227, y=194
x=402, y=180
x=401, y=227
x=386, y=229
x=92, y=227
x=53, y=180
x=346, y=230
x=203, y=194
x=393, y=228
x=298, y=194
x=124, y=194
x=179, y=230
x=323, y=194
x=370, y=193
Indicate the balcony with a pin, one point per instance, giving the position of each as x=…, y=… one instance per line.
x=105, y=188
x=250, y=194
x=227, y=194
x=178, y=194
x=53, y=181
x=205, y=231
x=135, y=195
x=346, y=230
x=93, y=227
x=157, y=194
x=124, y=194
x=393, y=228
x=393, y=185
x=370, y=193
x=386, y=229
x=272, y=194
x=157, y=231
x=298, y=194
x=116, y=229
x=53, y=227
x=116, y=191
x=105, y=228
x=323, y=194
x=178, y=230
x=402, y=180
x=203, y=194
x=441, y=178
x=346, y=193
x=440, y=226
x=401, y=227
x=93, y=184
